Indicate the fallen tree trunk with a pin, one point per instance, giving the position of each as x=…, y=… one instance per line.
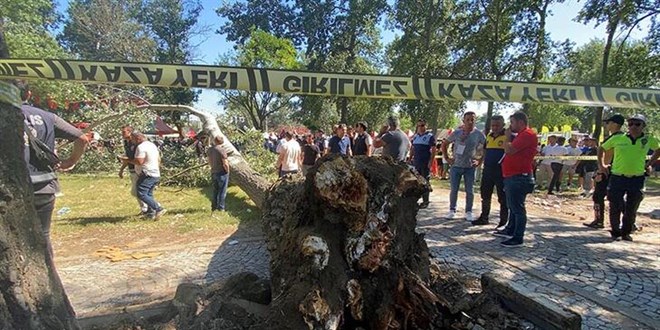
x=251, y=182
x=344, y=251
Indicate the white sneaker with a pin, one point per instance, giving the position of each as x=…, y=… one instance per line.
x=469, y=217
x=450, y=215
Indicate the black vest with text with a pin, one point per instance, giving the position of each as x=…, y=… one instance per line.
x=39, y=123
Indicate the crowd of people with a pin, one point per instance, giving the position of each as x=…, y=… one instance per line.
x=507, y=159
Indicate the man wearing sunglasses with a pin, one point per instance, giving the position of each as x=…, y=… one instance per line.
x=628, y=173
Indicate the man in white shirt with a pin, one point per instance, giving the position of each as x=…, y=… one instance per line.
x=556, y=165
x=147, y=166
x=570, y=164
x=289, y=160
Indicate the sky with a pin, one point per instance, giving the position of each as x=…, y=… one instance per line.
x=560, y=26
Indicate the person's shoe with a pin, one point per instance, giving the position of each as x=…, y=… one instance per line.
x=450, y=215
x=424, y=205
x=627, y=238
x=469, y=216
x=635, y=228
x=616, y=236
x=480, y=221
x=502, y=234
x=160, y=214
x=550, y=193
x=594, y=224
x=501, y=225
x=511, y=243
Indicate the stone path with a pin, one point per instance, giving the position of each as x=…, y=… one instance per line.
x=612, y=285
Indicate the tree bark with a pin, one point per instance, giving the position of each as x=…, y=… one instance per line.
x=31, y=293
x=603, y=74
x=344, y=251
x=251, y=182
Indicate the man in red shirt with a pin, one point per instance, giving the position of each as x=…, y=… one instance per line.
x=517, y=171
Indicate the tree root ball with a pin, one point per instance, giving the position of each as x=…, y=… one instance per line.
x=344, y=251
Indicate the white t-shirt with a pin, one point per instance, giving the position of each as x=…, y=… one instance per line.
x=151, y=155
x=291, y=151
x=570, y=151
x=553, y=150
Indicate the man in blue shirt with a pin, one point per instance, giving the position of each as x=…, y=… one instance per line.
x=340, y=143
x=423, y=153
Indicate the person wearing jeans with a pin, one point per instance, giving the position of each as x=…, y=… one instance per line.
x=517, y=170
x=145, y=190
x=147, y=166
x=455, y=175
x=217, y=158
x=466, y=141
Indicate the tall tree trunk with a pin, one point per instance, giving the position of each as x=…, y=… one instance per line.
x=489, y=115
x=31, y=293
x=251, y=182
x=343, y=103
x=541, y=48
x=611, y=28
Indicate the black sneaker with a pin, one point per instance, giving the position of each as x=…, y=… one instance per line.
x=594, y=224
x=480, y=221
x=502, y=234
x=627, y=238
x=511, y=243
x=424, y=205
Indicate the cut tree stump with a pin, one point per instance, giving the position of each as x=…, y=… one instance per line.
x=344, y=251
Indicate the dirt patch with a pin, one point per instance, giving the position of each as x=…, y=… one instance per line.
x=88, y=242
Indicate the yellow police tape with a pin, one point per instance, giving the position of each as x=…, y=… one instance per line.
x=322, y=83
x=9, y=94
x=565, y=157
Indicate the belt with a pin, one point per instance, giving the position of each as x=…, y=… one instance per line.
x=629, y=176
x=521, y=174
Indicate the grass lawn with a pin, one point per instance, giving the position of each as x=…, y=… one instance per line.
x=103, y=213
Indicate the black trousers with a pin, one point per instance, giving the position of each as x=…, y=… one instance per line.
x=492, y=178
x=600, y=192
x=45, y=204
x=423, y=170
x=556, y=172
x=625, y=195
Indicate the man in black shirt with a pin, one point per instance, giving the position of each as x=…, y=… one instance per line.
x=310, y=153
x=362, y=142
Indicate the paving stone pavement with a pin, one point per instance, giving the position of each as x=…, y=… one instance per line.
x=612, y=285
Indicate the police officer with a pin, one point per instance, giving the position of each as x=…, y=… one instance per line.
x=41, y=129
x=492, y=173
x=423, y=154
x=627, y=174
x=613, y=125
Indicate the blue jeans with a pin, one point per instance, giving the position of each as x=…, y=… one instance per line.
x=455, y=175
x=516, y=189
x=220, y=182
x=145, y=192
